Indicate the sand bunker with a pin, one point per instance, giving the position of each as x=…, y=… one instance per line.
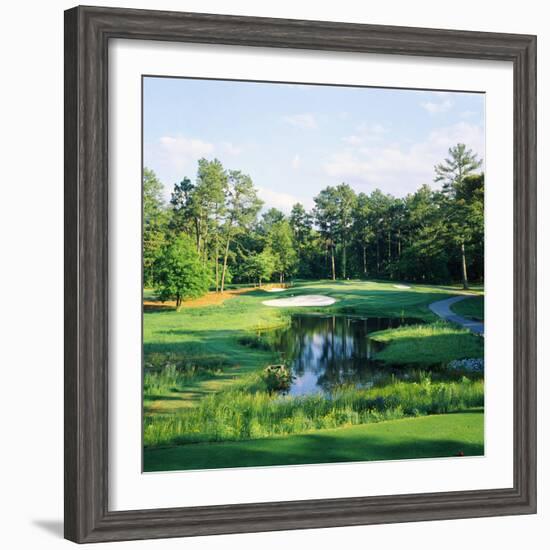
x=402, y=286
x=301, y=301
x=275, y=289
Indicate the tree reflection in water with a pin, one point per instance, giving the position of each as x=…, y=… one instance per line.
x=325, y=352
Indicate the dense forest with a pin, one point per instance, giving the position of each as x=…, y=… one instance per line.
x=214, y=231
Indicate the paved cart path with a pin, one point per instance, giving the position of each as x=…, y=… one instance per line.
x=442, y=308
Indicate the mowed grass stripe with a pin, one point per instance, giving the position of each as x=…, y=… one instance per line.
x=471, y=308
x=445, y=435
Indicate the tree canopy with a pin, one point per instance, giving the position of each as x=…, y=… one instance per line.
x=213, y=230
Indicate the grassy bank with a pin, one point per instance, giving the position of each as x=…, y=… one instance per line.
x=472, y=308
x=206, y=404
x=432, y=343
x=430, y=436
x=206, y=339
x=245, y=414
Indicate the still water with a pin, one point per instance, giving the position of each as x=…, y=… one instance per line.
x=324, y=352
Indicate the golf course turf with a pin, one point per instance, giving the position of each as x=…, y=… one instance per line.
x=446, y=435
x=218, y=348
x=472, y=308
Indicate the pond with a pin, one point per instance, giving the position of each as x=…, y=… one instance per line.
x=324, y=352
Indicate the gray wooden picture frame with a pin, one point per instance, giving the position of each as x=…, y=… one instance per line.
x=87, y=34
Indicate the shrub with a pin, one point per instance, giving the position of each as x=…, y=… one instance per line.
x=180, y=273
x=277, y=378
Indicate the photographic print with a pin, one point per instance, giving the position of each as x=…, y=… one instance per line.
x=313, y=274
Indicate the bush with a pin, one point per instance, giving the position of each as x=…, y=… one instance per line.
x=180, y=273
x=277, y=378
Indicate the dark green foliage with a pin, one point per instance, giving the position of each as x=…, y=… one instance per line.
x=154, y=224
x=179, y=272
x=277, y=378
x=430, y=236
x=255, y=342
x=258, y=268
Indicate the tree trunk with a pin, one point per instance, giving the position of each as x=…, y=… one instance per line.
x=198, y=234
x=464, y=271
x=205, y=250
x=217, y=254
x=377, y=253
x=344, y=259
x=399, y=245
x=364, y=260
x=333, y=265
x=178, y=302
x=224, y=269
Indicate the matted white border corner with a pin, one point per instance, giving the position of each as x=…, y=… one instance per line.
x=129, y=488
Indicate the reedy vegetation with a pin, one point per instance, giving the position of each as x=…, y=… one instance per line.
x=247, y=412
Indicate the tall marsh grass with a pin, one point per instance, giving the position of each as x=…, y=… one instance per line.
x=168, y=372
x=238, y=415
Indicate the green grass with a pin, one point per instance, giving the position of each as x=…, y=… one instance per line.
x=203, y=388
x=210, y=335
x=433, y=343
x=244, y=414
x=430, y=436
x=472, y=308
x=376, y=298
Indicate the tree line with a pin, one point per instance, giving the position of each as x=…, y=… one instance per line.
x=213, y=232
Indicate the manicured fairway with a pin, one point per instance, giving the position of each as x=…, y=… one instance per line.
x=472, y=308
x=424, y=344
x=210, y=335
x=430, y=436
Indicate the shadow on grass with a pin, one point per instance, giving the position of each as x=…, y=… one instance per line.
x=385, y=441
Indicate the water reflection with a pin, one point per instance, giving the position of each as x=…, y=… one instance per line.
x=324, y=352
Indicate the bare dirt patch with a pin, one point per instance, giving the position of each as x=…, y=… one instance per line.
x=210, y=299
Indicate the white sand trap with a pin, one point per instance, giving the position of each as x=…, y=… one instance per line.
x=301, y=301
x=402, y=286
x=275, y=289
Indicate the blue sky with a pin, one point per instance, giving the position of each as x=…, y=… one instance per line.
x=294, y=140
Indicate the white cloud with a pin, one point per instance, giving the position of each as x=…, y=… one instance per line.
x=282, y=201
x=437, y=107
x=179, y=152
x=302, y=120
x=230, y=148
x=366, y=133
x=353, y=140
x=402, y=169
x=296, y=161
